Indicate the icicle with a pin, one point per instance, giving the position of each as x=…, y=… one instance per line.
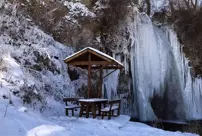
x=159, y=68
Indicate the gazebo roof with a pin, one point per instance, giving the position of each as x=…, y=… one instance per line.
x=97, y=59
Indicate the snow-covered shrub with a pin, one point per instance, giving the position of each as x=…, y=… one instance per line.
x=30, y=94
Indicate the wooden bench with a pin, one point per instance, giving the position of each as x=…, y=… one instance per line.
x=109, y=110
x=71, y=104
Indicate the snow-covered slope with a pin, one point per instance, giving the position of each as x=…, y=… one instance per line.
x=32, y=71
x=23, y=122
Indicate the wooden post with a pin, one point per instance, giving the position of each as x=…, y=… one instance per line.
x=89, y=76
x=100, y=83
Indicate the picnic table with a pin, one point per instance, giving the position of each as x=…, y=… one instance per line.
x=93, y=104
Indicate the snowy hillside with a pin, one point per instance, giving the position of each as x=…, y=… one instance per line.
x=31, y=63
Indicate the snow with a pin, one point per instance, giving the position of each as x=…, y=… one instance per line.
x=23, y=109
x=108, y=108
x=157, y=5
x=77, y=9
x=93, y=100
x=95, y=50
x=34, y=124
x=12, y=67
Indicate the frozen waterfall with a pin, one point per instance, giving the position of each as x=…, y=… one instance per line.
x=163, y=85
x=111, y=81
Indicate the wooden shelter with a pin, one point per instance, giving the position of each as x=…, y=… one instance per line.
x=90, y=58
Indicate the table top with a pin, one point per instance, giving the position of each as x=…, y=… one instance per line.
x=93, y=100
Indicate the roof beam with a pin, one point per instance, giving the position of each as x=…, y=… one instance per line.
x=104, y=67
x=86, y=63
x=108, y=67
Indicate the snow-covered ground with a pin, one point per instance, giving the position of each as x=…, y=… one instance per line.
x=20, y=121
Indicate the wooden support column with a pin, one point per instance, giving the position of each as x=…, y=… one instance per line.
x=89, y=76
x=100, y=83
